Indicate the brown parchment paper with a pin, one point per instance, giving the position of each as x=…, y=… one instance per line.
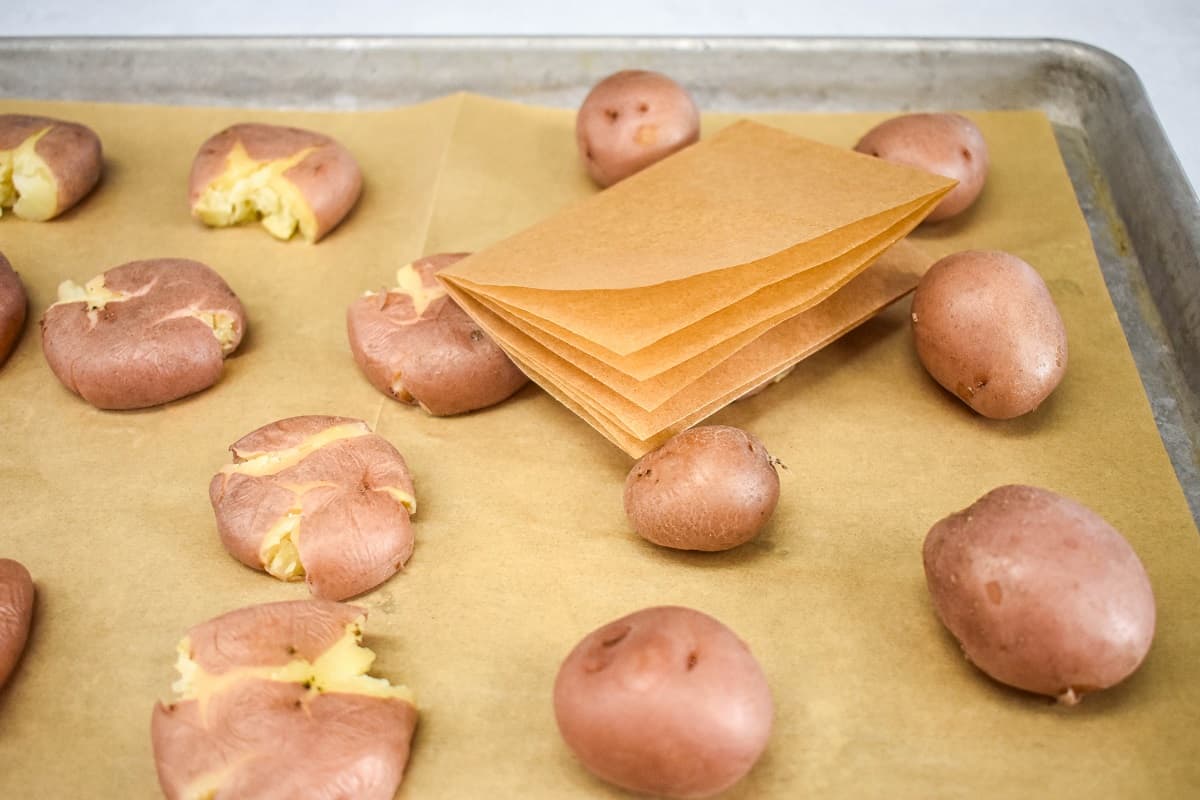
x=522, y=546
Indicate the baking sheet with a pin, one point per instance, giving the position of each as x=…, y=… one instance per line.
x=522, y=546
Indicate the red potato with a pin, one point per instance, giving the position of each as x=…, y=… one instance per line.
x=708, y=488
x=46, y=165
x=944, y=144
x=666, y=701
x=275, y=703
x=415, y=344
x=16, y=614
x=1041, y=592
x=987, y=329
x=13, y=303
x=317, y=498
x=630, y=120
x=142, y=334
x=287, y=178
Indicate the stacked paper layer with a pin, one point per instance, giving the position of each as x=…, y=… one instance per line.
x=647, y=307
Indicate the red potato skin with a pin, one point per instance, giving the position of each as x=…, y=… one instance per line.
x=666, y=701
x=275, y=739
x=449, y=365
x=944, y=144
x=1041, y=592
x=987, y=330
x=72, y=152
x=328, y=178
x=709, y=488
x=352, y=535
x=13, y=303
x=16, y=614
x=138, y=353
x=630, y=120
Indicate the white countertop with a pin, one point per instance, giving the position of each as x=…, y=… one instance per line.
x=1161, y=39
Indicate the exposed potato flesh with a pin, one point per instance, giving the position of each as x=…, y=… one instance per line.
x=289, y=179
x=27, y=185
x=274, y=701
x=415, y=344
x=46, y=165
x=143, y=333
x=250, y=190
x=317, y=498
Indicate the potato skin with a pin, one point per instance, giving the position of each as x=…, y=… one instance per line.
x=269, y=739
x=987, y=329
x=447, y=363
x=666, y=701
x=16, y=614
x=352, y=534
x=631, y=119
x=329, y=178
x=72, y=152
x=13, y=303
x=709, y=488
x=145, y=350
x=1041, y=592
x=944, y=144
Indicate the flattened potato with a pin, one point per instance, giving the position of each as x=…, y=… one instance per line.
x=46, y=165
x=16, y=613
x=13, y=303
x=414, y=343
x=1041, y=592
x=275, y=703
x=630, y=120
x=142, y=334
x=317, y=498
x=287, y=178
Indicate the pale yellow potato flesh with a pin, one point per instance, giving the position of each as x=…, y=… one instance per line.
x=27, y=185
x=97, y=296
x=342, y=668
x=259, y=464
x=250, y=190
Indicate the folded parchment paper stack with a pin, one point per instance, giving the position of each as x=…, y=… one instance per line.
x=647, y=307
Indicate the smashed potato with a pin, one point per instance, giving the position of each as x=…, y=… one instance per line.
x=16, y=614
x=274, y=701
x=13, y=302
x=46, y=165
x=142, y=334
x=319, y=499
x=287, y=178
x=414, y=343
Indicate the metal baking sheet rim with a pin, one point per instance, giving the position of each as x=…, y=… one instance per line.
x=1143, y=213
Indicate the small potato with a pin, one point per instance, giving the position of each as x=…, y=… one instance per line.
x=275, y=703
x=16, y=614
x=944, y=144
x=320, y=499
x=987, y=329
x=287, y=178
x=708, y=488
x=414, y=343
x=142, y=334
x=631, y=119
x=46, y=165
x=666, y=701
x=12, y=308
x=1041, y=592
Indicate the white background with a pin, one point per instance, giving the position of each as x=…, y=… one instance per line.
x=1159, y=38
